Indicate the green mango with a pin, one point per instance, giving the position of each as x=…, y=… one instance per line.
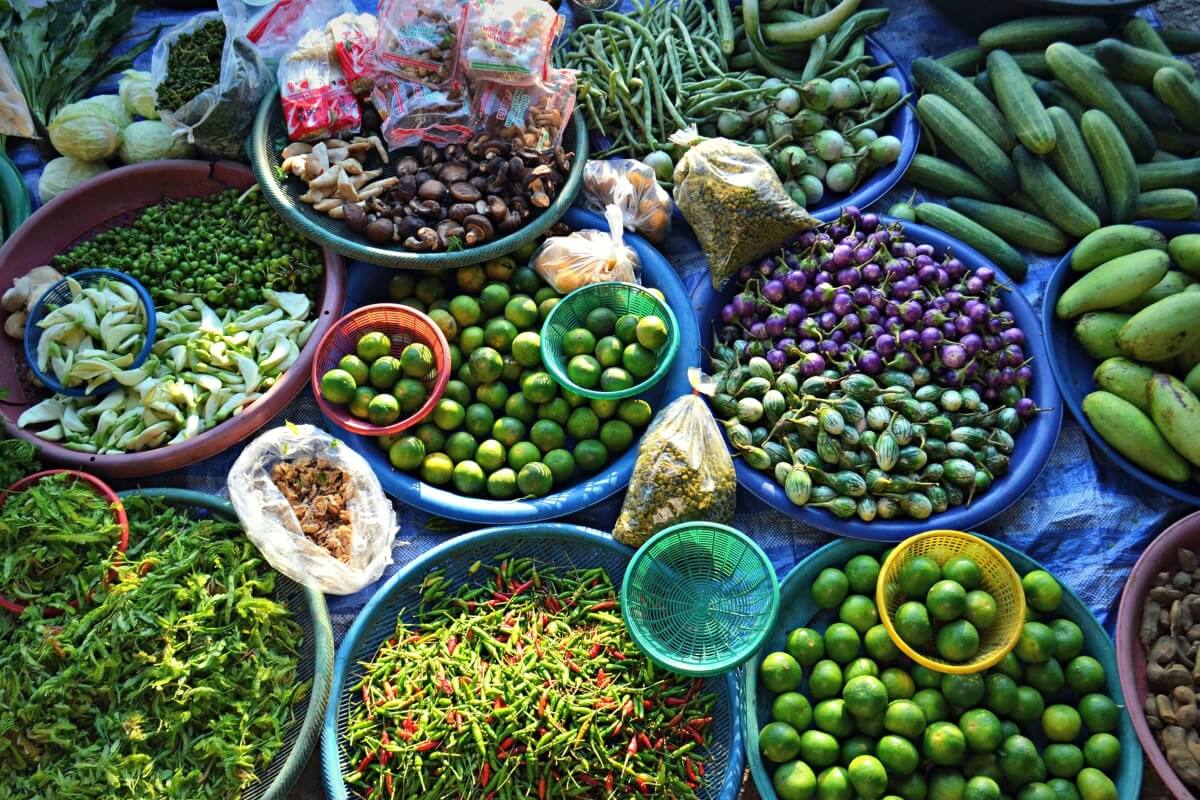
x=1133, y=434
x=1176, y=413
x=1126, y=379
x=1185, y=252
x=1114, y=241
x=1163, y=330
x=1173, y=282
x=1113, y=283
x=1097, y=333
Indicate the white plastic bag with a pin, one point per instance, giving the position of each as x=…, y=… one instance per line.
x=632, y=187
x=588, y=256
x=272, y=525
x=14, y=112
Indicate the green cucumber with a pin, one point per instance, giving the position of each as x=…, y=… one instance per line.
x=1053, y=196
x=1151, y=109
x=1180, y=95
x=965, y=61
x=964, y=138
x=1114, y=241
x=1166, y=204
x=1115, y=162
x=941, y=176
x=1020, y=103
x=1023, y=202
x=1181, y=174
x=1180, y=143
x=1182, y=41
x=1034, y=33
x=1162, y=156
x=936, y=78
x=974, y=235
x=1140, y=33
x=1093, y=88
x=1053, y=93
x=1033, y=64
x=1018, y=228
x=1073, y=163
x=1129, y=63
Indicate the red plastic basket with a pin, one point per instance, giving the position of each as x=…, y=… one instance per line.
x=403, y=325
x=103, y=490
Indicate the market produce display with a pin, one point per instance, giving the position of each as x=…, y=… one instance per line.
x=1063, y=130
x=376, y=386
x=807, y=92
x=618, y=360
x=868, y=378
x=949, y=596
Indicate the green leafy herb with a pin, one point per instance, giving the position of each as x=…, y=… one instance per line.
x=193, y=65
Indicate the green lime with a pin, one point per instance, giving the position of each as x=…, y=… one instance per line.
x=535, y=478
x=855, y=746
x=651, y=332
x=868, y=777
x=898, y=755
x=912, y=623
x=865, y=696
x=638, y=360
x=858, y=611
x=527, y=349
x=958, y=641
x=907, y=787
x=401, y=286
x=470, y=339
x=1042, y=591
x=555, y=410
x=431, y=436
x=830, y=588
x=578, y=342
x=616, y=435
x=512, y=369
x=539, y=387
x=591, y=455
x=561, y=464
x=1063, y=789
x=584, y=370
x=862, y=572
x=493, y=395
x=905, y=718
x=463, y=375
x=502, y=483
x=1035, y=791
x=986, y=764
x=491, y=455
x=861, y=666
x=944, y=744
x=963, y=691
x=469, y=478
x=925, y=678
x=1085, y=675
x=508, y=431
x=465, y=310
x=898, y=682
x=478, y=420
x=608, y=351
x=356, y=367
x=522, y=453
x=407, y=453
x=1063, y=760
x=448, y=414
x=615, y=379
x=825, y=679
x=383, y=409
x=946, y=600
x=385, y=442
x=547, y=435
x=437, y=469
x=1068, y=639
x=373, y=345
x=500, y=269
x=1000, y=693
x=981, y=787
x=1099, y=713
x=1102, y=751
x=841, y=642
x=430, y=289
x=600, y=321
x=521, y=311
x=832, y=716
x=794, y=781
x=470, y=279
x=545, y=293
x=869, y=726
x=1035, y=644
x=445, y=321
x=932, y=705
x=526, y=280
x=780, y=672
x=625, y=328
x=456, y=357
x=879, y=645
x=521, y=407
x=1093, y=784
x=416, y=360
x=412, y=302
x=805, y=645
x=499, y=334
x=818, y=749
x=583, y=424
x=833, y=783
x=636, y=412
x=338, y=386
x=486, y=364
x=1029, y=706
x=546, y=306
x=946, y=785
x=361, y=401
x=455, y=390
x=794, y=709
x=493, y=297
x=1010, y=665
x=981, y=729
x=1047, y=677
x=918, y=575
x=981, y=609
x=605, y=409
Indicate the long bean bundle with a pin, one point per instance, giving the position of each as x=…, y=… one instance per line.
x=524, y=684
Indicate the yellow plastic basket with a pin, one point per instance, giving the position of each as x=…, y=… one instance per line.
x=1000, y=580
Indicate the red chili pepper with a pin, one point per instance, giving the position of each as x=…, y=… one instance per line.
x=425, y=747
x=691, y=773
x=659, y=743
x=595, y=650
x=603, y=605
x=602, y=678
x=648, y=705
x=500, y=580
x=542, y=788
x=485, y=775
x=445, y=685
x=410, y=724
x=608, y=782
x=617, y=654
x=366, y=697
x=627, y=709
x=633, y=746
x=507, y=743
x=700, y=722
x=645, y=740
x=616, y=729
x=641, y=785
x=700, y=768
x=586, y=779
x=521, y=587
x=370, y=791
x=501, y=597
x=675, y=701
x=387, y=783
x=695, y=734
x=542, y=701
x=366, y=762
x=552, y=604
x=385, y=755
x=451, y=645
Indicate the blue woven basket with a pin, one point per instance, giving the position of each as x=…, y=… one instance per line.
x=60, y=295
x=551, y=543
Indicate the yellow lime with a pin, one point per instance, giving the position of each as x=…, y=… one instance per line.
x=360, y=403
x=448, y=414
x=636, y=412
x=356, y=367
x=651, y=332
x=499, y=334
x=465, y=310
x=868, y=777
x=794, y=781
x=445, y=321
x=384, y=372
x=491, y=455
x=780, y=672
x=944, y=744
x=508, y=431
x=502, y=483
x=437, y=469
x=374, y=345
x=470, y=279
x=526, y=349
x=337, y=386
x=1042, y=591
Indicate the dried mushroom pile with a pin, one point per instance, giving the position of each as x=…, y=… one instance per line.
x=319, y=494
x=1171, y=633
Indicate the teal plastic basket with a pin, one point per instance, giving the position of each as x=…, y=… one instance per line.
x=699, y=598
x=622, y=298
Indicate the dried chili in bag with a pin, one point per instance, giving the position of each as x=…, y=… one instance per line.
x=683, y=470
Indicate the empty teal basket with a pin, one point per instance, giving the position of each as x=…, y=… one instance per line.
x=699, y=598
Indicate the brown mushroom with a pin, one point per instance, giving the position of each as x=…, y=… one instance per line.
x=356, y=218
x=452, y=172
x=429, y=155
x=428, y=209
x=380, y=231
x=423, y=241
x=512, y=221
x=448, y=229
x=479, y=182
x=497, y=209
x=479, y=229
x=406, y=188
x=432, y=190
x=408, y=226
x=460, y=211
x=464, y=192
x=407, y=166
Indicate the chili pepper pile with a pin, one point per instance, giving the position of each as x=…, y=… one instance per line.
x=524, y=684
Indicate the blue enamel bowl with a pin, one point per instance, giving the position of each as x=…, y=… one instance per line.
x=1073, y=367
x=1033, y=444
x=368, y=284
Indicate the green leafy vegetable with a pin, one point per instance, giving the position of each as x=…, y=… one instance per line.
x=193, y=65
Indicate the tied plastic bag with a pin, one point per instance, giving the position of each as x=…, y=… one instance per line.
x=683, y=470
x=218, y=119
x=631, y=186
x=415, y=112
x=14, y=111
x=316, y=100
x=533, y=115
x=734, y=202
x=354, y=38
x=508, y=40
x=587, y=256
x=273, y=29
x=418, y=39
x=274, y=528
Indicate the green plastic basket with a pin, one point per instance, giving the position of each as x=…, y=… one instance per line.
x=623, y=298
x=699, y=598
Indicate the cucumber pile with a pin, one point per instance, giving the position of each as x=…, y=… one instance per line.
x=1141, y=318
x=1059, y=126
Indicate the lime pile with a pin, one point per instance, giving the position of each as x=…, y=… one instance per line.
x=944, y=609
x=504, y=428
x=853, y=718
x=375, y=385
x=612, y=353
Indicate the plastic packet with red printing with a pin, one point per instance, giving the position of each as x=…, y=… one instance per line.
x=418, y=39
x=317, y=102
x=534, y=114
x=414, y=112
x=508, y=40
x=354, y=38
x=274, y=29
